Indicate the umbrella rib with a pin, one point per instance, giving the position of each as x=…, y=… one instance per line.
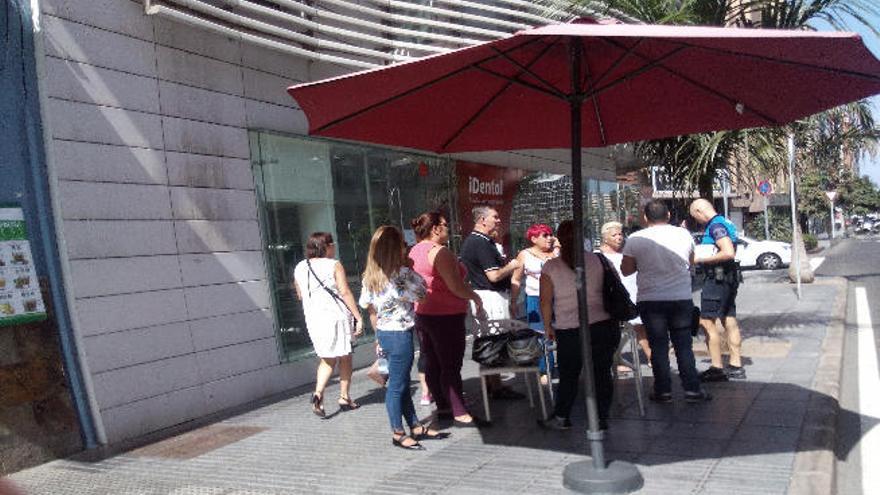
x=515, y=80
x=588, y=83
x=659, y=64
x=765, y=58
x=494, y=97
x=415, y=89
x=619, y=61
x=559, y=93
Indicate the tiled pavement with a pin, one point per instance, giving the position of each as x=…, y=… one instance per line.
x=760, y=436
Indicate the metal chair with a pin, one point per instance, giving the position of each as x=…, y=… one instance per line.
x=505, y=326
x=629, y=336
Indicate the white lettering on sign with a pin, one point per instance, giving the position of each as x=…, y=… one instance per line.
x=492, y=187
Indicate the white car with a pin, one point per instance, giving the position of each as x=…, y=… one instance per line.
x=767, y=255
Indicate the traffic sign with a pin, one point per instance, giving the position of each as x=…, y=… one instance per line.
x=831, y=195
x=765, y=188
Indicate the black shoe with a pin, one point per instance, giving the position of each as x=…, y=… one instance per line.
x=662, y=398
x=736, y=372
x=505, y=393
x=713, y=374
x=695, y=397
x=318, y=406
x=346, y=404
x=556, y=423
x=398, y=442
x=425, y=433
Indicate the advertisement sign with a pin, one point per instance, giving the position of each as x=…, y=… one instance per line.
x=20, y=298
x=486, y=185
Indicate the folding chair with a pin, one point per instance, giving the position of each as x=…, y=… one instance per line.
x=629, y=336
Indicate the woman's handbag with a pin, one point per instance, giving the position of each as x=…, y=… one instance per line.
x=490, y=350
x=523, y=347
x=615, y=296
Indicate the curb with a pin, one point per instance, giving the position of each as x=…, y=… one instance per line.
x=814, y=469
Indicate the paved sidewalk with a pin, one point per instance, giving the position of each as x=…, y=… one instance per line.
x=766, y=435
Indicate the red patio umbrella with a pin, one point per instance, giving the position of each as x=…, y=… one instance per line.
x=590, y=85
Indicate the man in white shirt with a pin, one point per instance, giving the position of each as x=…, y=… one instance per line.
x=662, y=255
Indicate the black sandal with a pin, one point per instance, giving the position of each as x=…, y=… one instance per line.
x=398, y=442
x=318, y=406
x=346, y=404
x=425, y=433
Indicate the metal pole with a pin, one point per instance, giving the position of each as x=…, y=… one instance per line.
x=594, y=476
x=594, y=435
x=725, y=192
x=795, y=238
x=766, y=220
x=832, y=219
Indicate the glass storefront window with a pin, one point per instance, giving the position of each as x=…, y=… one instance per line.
x=306, y=185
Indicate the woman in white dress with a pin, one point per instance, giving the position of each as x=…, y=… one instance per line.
x=332, y=316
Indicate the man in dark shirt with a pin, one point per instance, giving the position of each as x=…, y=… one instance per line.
x=490, y=276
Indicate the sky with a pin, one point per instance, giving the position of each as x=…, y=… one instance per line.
x=869, y=166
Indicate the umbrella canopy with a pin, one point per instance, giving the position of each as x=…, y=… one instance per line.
x=636, y=82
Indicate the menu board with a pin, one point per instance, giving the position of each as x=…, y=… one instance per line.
x=20, y=298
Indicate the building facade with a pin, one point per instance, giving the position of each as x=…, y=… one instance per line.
x=168, y=183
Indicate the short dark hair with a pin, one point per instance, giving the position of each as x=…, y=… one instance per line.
x=481, y=211
x=316, y=246
x=423, y=223
x=656, y=211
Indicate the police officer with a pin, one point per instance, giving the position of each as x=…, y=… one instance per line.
x=718, y=300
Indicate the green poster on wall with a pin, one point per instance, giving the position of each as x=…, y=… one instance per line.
x=20, y=298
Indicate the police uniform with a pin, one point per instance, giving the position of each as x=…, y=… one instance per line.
x=721, y=282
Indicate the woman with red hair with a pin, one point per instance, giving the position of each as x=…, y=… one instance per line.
x=531, y=262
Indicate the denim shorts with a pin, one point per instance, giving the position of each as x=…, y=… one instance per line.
x=718, y=299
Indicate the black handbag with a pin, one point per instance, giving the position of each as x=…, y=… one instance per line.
x=490, y=350
x=616, y=298
x=695, y=321
x=523, y=347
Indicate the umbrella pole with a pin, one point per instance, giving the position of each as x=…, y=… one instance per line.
x=585, y=476
x=594, y=434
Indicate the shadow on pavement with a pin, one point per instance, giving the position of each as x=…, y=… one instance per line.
x=745, y=420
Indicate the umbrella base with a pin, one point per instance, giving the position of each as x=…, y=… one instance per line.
x=617, y=477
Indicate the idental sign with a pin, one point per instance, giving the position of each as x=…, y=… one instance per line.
x=492, y=187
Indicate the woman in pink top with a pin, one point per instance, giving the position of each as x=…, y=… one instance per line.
x=440, y=316
x=558, y=299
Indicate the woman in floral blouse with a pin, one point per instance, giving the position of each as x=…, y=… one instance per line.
x=390, y=291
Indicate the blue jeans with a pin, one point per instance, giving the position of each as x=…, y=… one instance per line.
x=665, y=321
x=398, y=347
x=533, y=317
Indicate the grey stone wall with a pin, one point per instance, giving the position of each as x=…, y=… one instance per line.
x=149, y=125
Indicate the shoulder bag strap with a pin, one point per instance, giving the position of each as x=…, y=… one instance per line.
x=333, y=294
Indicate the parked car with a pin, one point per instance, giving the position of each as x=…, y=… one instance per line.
x=766, y=255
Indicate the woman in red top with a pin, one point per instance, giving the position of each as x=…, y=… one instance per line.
x=440, y=316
